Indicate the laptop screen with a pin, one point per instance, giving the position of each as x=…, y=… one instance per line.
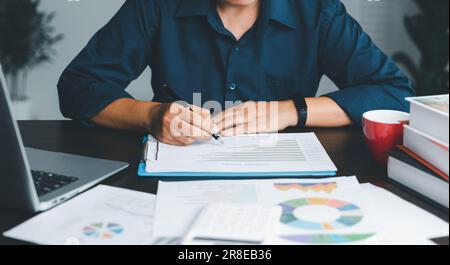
x=5, y=108
x=3, y=86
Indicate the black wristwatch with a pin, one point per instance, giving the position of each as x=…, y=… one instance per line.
x=302, y=109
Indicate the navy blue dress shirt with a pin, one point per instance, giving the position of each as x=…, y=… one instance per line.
x=184, y=42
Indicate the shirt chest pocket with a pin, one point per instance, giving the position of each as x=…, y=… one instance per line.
x=274, y=87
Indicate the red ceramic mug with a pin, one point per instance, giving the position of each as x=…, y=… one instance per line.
x=384, y=131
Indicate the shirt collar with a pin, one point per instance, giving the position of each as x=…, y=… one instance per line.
x=281, y=11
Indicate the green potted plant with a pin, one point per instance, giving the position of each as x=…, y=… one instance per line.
x=26, y=40
x=429, y=32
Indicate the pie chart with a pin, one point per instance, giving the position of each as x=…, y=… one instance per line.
x=348, y=214
x=102, y=230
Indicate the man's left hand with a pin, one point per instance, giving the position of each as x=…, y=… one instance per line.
x=257, y=117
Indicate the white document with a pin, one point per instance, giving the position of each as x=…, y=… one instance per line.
x=279, y=153
x=313, y=210
x=402, y=222
x=326, y=211
x=102, y=216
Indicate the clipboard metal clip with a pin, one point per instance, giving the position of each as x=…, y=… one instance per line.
x=151, y=146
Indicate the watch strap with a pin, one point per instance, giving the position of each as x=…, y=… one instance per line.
x=302, y=109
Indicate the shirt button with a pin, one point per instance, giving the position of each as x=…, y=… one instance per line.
x=236, y=49
x=232, y=86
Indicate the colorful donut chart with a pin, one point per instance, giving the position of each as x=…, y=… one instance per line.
x=350, y=214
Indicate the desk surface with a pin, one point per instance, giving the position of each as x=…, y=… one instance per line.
x=345, y=146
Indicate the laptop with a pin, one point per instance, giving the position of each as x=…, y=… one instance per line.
x=35, y=180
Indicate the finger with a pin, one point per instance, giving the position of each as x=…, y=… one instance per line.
x=180, y=128
x=173, y=127
x=176, y=109
x=204, y=112
x=230, y=118
x=184, y=140
x=198, y=120
x=170, y=133
x=219, y=118
x=194, y=132
x=239, y=130
x=182, y=113
x=168, y=139
x=244, y=114
x=176, y=137
x=238, y=115
x=207, y=122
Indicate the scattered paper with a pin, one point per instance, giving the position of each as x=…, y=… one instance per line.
x=102, y=216
x=327, y=211
x=401, y=222
x=324, y=211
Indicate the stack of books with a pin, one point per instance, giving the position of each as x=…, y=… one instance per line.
x=421, y=164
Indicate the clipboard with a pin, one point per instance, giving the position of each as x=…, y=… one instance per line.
x=142, y=169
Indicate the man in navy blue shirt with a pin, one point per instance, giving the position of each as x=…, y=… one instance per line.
x=253, y=61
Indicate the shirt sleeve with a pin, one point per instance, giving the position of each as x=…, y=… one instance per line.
x=367, y=78
x=115, y=56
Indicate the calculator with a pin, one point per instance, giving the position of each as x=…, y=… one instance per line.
x=233, y=224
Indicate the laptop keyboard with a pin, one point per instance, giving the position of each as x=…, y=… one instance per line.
x=46, y=182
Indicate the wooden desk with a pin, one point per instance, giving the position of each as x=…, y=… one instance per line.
x=345, y=145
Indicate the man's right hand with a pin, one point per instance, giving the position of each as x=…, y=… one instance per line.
x=174, y=124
